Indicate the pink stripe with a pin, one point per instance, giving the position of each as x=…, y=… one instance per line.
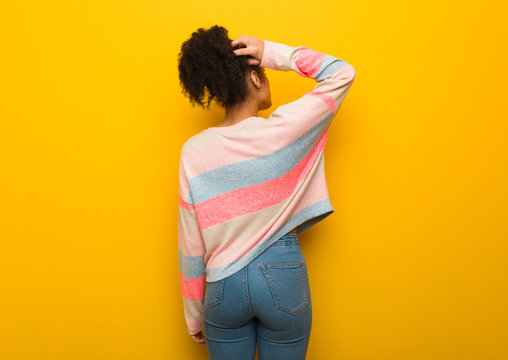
x=249, y=146
x=318, y=148
x=192, y=289
x=256, y=197
x=309, y=61
x=326, y=98
x=240, y=247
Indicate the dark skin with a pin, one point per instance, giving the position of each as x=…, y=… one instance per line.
x=259, y=99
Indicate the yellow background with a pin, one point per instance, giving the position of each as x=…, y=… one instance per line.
x=412, y=264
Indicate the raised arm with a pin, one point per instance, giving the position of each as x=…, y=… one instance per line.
x=335, y=76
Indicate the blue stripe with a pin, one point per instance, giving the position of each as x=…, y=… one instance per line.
x=193, y=266
x=329, y=66
x=258, y=170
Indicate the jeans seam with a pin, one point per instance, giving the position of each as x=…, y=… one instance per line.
x=246, y=291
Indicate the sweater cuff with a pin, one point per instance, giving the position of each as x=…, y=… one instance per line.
x=194, y=326
x=269, y=55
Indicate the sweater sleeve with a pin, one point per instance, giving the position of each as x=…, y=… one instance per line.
x=318, y=107
x=191, y=251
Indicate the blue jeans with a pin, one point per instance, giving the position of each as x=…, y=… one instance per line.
x=267, y=302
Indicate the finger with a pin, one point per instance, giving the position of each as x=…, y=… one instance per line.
x=253, y=61
x=237, y=40
x=241, y=51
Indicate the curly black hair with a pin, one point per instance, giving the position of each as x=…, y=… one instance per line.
x=207, y=60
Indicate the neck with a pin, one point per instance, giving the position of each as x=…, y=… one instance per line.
x=239, y=113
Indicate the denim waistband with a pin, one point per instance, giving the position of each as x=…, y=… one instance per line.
x=286, y=239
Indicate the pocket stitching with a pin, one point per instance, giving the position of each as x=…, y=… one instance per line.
x=293, y=265
x=219, y=296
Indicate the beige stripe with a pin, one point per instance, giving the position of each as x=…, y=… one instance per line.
x=193, y=309
x=206, y=137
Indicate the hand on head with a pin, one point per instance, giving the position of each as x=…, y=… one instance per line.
x=252, y=46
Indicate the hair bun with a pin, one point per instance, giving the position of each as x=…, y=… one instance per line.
x=207, y=61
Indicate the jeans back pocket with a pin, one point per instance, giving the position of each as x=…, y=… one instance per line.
x=214, y=292
x=288, y=285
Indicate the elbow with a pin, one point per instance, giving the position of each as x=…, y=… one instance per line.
x=345, y=75
x=351, y=73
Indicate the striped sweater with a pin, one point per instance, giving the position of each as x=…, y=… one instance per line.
x=242, y=187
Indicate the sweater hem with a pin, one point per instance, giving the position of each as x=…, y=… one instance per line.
x=303, y=219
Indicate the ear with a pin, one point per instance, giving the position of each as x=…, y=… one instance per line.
x=254, y=78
